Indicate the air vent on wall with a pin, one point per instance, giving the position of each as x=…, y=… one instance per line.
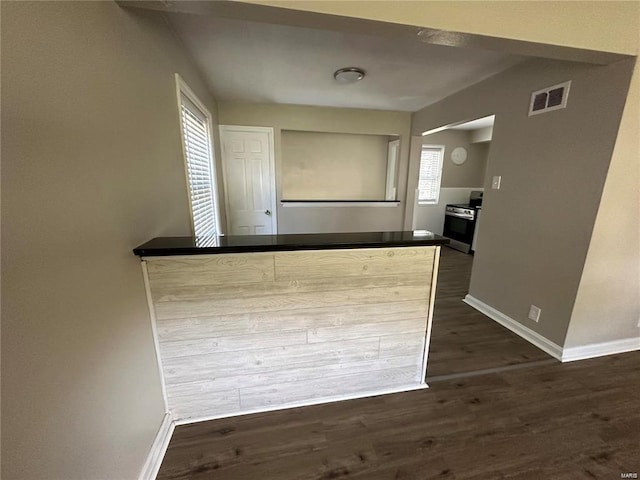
x=550, y=98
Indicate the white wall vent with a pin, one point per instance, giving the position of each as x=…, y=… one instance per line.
x=550, y=98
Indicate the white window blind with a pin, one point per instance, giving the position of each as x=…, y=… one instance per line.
x=200, y=177
x=430, y=174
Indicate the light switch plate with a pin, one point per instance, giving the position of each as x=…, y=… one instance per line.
x=495, y=183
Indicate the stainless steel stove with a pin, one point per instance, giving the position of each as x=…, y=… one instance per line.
x=459, y=222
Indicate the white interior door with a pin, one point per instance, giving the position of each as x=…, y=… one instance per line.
x=249, y=180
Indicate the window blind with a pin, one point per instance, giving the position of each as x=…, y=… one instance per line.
x=197, y=147
x=430, y=174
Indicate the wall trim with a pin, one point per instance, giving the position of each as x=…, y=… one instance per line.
x=594, y=350
x=154, y=332
x=432, y=301
x=516, y=327
x=158, y=449
x=305, y=403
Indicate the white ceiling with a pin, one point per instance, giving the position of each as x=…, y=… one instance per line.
x=260, y=62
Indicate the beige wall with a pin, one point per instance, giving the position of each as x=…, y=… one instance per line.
x=324, y=119
x=470, y=173
x=536, y=228
x=91, y=167
x=573, y=26
x=333, y=166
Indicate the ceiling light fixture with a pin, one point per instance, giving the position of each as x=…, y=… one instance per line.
x=349, y=75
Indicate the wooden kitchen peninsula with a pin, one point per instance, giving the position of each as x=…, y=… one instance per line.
x=254, y=323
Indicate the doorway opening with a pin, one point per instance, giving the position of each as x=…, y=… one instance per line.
x=464, y=342
x=453, y=164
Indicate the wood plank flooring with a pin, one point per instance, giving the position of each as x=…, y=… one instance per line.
x=463, y=339
x=572, y=421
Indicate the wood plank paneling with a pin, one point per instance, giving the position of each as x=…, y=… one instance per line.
x=409, y=326
x=233, y=343
x=209, y=270
x=356, y=262
x=248, y=323
x=323, y=387
x=285, y=287
x=296, y=301
x=194, y=367
x=214, y=403
x=403, y=343
x=299, y=374
x=246, y=331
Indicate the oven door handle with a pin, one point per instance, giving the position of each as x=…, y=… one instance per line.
x=459, y=215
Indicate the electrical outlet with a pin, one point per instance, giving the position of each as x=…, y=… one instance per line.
x=495, y=183
x=534, y=313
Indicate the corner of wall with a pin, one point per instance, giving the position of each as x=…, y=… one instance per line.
x=607, y=304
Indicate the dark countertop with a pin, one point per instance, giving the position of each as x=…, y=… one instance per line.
x=164, y=246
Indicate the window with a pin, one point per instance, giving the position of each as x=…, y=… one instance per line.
x=430, y=174
x=197, y=143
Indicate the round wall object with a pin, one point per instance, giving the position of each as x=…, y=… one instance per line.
x=459, y=155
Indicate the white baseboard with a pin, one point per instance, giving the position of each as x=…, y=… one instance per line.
x=158, y=449
x=306, y=403
x=516, y=327
x=600, y=349
x=563, y=354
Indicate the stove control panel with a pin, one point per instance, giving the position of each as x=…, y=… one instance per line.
x=461, y=212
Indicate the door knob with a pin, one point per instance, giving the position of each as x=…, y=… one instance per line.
x=267, y=212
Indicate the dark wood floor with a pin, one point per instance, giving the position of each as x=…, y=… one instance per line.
x=552, y=421
x=462, y=339
x=561, y=421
